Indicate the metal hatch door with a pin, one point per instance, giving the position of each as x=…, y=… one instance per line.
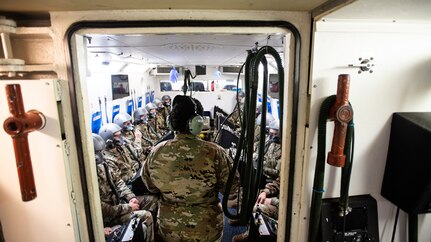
x=48, y=217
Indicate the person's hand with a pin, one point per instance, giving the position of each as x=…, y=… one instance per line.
x=262, y=197
x=134, y=204
x=107, y=230
x=267, y=201
x=138, y=135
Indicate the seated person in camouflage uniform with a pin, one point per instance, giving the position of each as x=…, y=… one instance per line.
x=152, y=122
x=272, y=152
x=266, y=203
x=166, y=99
x=140, y=119
x=189, y=173
x=132, y=135
x=120, y=160
x=160, y=118
x=117, y=201
x=268, y=120
x=238, y=110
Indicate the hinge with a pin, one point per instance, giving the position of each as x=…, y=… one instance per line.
x=58, y=90
x=66, y=147
x=73, y=197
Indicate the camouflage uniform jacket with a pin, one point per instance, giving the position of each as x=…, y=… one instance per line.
x=161, y=123
x=189, y=173
x=110, y=202
x=236, y=116
x=149, y=137
x=166, y=111
x=135, y=145
x=152, y=126
x=271, y=161
x=120, y=161
x=272, y=190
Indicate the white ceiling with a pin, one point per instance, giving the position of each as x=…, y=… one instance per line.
x=180, y=49
x=228, y=49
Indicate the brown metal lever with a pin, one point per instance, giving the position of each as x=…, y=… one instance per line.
x=341, y=113
x=18, y=126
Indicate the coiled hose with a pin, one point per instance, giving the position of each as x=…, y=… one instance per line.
x=316, y=200
x=250, y=174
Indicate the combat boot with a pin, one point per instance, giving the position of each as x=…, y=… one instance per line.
x=232, y=203
x=240, y=237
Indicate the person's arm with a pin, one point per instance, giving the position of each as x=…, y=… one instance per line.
x=124, y=191
x=272, y=189
x=115, y=211
x=273, y=156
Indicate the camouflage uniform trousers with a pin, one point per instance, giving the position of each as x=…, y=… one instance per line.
x=168, y=232
x=149, y=203
x=268, y=209
x=272, y=191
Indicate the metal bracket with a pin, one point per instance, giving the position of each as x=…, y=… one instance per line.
x=365, y=65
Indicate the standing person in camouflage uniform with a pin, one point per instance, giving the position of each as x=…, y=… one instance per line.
x=113, y=191
x=121, y=161
x=189, y=173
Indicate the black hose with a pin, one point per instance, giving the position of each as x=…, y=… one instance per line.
x=250, y=175
x=346, y=172
x=316, y=199
x=240, y=147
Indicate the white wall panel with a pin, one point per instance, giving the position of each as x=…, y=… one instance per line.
x=400, y=82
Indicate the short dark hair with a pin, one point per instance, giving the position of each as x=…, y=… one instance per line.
x=183, y=108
